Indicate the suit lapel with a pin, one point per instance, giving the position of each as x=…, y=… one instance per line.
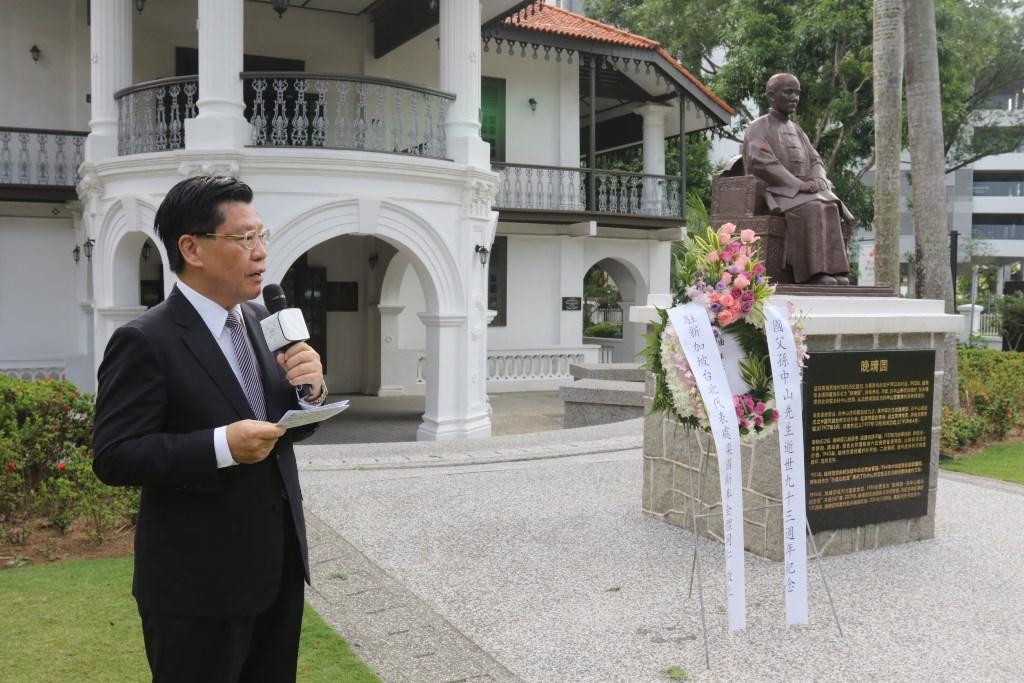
x=196, y=336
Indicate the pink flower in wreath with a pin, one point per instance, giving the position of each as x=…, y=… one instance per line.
x=759, y=269
x=726, y=300
x=741, y=281
x=775, y=416
x=712, y=257
x=727, y=277
x=726, y=317
x=747, y=236
x=741, y=261
x=758, y=421
x=759, y=408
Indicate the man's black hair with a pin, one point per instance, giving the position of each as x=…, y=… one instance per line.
x=193, y=207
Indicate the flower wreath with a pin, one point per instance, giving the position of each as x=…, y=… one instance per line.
x=721, y=270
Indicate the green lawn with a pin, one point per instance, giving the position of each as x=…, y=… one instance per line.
x=76, y=621
x=1000, y=461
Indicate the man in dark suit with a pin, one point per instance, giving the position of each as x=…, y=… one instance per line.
x=187, y=401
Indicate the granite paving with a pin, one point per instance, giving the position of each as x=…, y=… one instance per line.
x=530, y=560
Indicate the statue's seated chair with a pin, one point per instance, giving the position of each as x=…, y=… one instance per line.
x=739, y=199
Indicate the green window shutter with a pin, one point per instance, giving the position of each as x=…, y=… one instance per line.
x=492, y=115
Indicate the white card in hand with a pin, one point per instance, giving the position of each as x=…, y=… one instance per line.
x=297, y=418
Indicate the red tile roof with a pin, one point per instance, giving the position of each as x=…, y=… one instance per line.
x=546, y=18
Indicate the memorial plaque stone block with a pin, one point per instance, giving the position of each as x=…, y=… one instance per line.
x=868, y=431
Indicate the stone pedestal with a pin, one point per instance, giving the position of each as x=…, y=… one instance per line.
x=680, y=475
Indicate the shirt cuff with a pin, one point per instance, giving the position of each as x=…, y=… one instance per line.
x=306, y=405
x=220, y=446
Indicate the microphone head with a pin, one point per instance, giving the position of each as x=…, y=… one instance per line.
x=274, y=298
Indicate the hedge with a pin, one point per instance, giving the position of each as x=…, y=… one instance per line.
x=46, y=462
x=991, y=399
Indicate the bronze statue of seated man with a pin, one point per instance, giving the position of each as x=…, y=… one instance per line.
x=776, y=150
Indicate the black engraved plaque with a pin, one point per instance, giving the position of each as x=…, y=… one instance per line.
x=867, y=436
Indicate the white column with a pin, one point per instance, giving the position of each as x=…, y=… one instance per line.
x=110, y=46
x=654, y=153
x=221, y=121
x=456, y=400
x=460, y=75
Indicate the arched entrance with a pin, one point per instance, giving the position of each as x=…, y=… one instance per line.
x=353, y=234
x=611, y=285
x=336, y=284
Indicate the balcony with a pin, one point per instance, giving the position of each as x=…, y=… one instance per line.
x=552, y=194
x=997, y=231
x=40, y=165
x=289, y=109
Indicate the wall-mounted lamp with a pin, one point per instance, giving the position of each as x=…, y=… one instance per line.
x=35, y=52
x=139, y=4
x=87, y=247
x=533, y=104
x=76, y=253
x=372, y=260
x=146, y=251
x=483, y=252
x=280, y=6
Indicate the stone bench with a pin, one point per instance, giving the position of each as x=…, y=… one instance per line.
x=591, y=401
x=621, y=372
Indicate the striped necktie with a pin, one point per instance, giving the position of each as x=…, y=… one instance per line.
x=247, y=364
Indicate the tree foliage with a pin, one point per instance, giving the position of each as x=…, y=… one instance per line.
x=827, y=44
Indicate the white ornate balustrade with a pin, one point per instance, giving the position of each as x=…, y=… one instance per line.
x=527, y=368
x=556, y=188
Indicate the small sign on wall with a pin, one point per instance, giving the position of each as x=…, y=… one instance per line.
x=342, y=297
x=572, y=303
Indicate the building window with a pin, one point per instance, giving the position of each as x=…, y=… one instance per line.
x=998, y=226
x=497, y=280
x=492, y=116
x=999, y=183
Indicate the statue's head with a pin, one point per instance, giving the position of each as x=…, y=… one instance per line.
x=783, y=92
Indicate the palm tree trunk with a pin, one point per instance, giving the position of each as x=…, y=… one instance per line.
x=888, y=86
x=927, y=166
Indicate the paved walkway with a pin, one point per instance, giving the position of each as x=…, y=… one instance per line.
x=526, y=558
x=386, y=419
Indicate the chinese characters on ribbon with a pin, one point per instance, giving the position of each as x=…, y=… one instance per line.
x=693, y=328
x=786, y=377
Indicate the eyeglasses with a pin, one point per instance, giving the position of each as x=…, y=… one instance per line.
x=248, y=240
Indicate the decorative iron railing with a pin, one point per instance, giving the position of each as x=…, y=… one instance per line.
x=151, y=115
x=31, y=156
x=557, y=188
x=288, y=109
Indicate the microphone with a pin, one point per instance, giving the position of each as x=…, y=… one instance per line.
x=283, y=327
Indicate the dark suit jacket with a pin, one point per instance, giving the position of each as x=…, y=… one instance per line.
x=209, y=541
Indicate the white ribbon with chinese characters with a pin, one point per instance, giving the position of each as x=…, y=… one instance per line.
x=786, y=377
x=693, y=328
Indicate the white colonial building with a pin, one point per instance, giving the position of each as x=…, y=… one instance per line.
x=427, y=169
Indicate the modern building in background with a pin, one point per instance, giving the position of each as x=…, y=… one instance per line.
x=427, y=170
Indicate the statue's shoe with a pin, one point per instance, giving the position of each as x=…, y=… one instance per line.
x=823, y=279
x=842, y=280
